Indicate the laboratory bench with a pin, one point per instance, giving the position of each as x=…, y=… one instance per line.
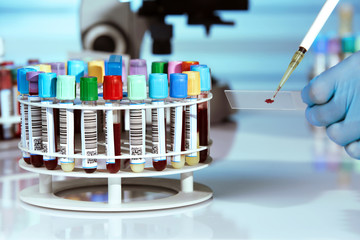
x=268, y=178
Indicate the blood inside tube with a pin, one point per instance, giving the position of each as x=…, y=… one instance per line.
x=161, y=165
x=51, y=164
x=27, y=160
x=36, y=160
x=202, y=125
x=115, y=167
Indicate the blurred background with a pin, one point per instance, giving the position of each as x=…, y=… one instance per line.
x=273, y=177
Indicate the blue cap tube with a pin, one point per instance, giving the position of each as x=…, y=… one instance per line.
x=158, y=86
x=23, y=85
x=76, y=68
x=47, y=85
x=178, y=85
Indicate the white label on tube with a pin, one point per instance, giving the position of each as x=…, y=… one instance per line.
x=48, y=131
x=176, y=118
x=24, y=129
x=137, y=135
x=5, y=100
x=16, y=106
x=34, y=125
x=66, y=133
x=191, y=128
x=127, y=120
x=158, y=131
x=109, y=134
x=89, y=137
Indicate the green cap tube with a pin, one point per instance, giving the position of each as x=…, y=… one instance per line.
x=136, y=87
x=88, y=89
x=65, y=87
x=159, y=67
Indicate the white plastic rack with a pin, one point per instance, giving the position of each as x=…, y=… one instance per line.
x=184, y=192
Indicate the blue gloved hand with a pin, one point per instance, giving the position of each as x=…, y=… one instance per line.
x=334, y=101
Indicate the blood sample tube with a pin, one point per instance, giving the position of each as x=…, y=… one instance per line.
x=159, y=67
x=137, y=94
x=192, y=133
x=334, y=50
x=88, y=97
x=138, y=67
x=65, y=93
x=158, y=91
x=15, y=103
x=174, y=67
x=34, y=118
x=5, y=100
x=348, y=46
x=203, y=120
x=96, y=69
x=45, y=68
x=58, y=68
x=112, y=94
x=23, y=88
x=76, y=68
x=178, y=92
x=185, y=66
x=47, y=93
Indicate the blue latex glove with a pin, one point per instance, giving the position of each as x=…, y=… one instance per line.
x=334, y=101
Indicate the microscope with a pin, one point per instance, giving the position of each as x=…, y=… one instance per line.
x=111, y=26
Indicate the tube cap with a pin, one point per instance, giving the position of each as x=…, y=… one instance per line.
x=348, y=44
x=334, y=46
x=23, y=85
x=7, y=63
x=33, y=61
x=45, y=68
x=5, y=79
x=76, y=68
x=113, y=88
x=193, y=83
x=33, y=78
x=178, y=85
x=58, y=68
x=138, y=67
x=174, y=67
x=136, y=87
x=321, y=44
x=97, y=69
x=159, y=67
x=115, y=65
x=357, y=43
x=88, y=89
x=205, y=78
x=185, y=66
x=65, y=87
x=37, y=68
x=158, y=86
x=47, y=85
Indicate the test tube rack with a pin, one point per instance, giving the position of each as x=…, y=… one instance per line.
x=185, y=191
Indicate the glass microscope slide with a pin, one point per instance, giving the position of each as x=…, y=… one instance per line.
x=255, y=100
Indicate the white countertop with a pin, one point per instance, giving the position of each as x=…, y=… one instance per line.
x=266, y=180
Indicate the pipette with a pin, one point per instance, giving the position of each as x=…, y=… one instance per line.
x=306, y=43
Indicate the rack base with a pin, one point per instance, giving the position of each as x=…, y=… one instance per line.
x=186, y=193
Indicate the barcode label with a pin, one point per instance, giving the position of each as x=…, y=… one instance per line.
x=24, y=129
x=158, y=131
x=35, y=131
x=48, y=131
x=109, y=134
x=176, y=114
x=191, y=128
x=66, y=133
x=89, y=137
x=137, y=135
